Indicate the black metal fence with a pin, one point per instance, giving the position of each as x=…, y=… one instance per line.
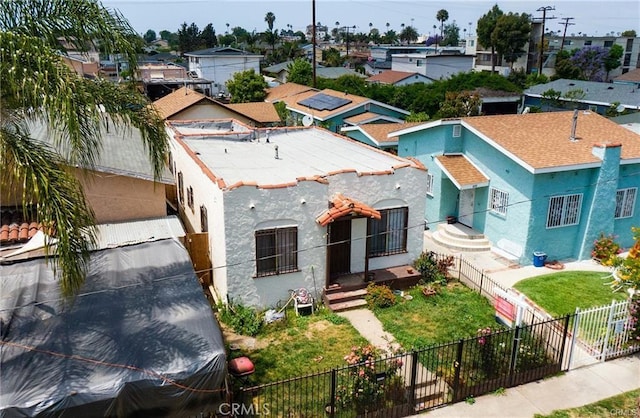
x=404, y=384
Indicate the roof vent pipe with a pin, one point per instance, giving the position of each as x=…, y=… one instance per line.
x=574, y=125
x=277, y=156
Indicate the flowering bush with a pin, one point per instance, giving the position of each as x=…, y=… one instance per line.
x=605, y=248
x=626, y=270
x=369, y=381
x=380, y=296
x=634, y=319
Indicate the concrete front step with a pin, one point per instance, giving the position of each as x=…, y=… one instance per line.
x=460, y=231
x=347, y=305
x=345, y=295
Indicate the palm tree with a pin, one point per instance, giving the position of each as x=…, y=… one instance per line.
x=38, y=86
x=442, y=16
x=270, y=18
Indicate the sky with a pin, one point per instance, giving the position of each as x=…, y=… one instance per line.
x=593, y=17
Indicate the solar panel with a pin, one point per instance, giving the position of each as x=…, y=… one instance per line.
x=323, y=101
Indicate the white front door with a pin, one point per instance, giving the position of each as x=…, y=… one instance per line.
x=466, y=205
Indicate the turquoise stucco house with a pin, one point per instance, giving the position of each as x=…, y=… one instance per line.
x=549, y=182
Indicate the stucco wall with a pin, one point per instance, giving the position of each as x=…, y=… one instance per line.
x=234, y=216
x=116, y=198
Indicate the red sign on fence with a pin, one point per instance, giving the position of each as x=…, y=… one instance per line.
x=505, y=311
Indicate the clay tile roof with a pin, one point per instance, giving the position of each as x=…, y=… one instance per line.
x=342, y=206
x=390, y=77
x=380, y=131
x=15, y=228
x=542, y=140
x=177, y=101
x=461, y=171
x=286, y=90
x=262, y=112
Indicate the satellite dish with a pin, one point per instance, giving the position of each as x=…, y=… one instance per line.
x=620, y=108
x=307, y=120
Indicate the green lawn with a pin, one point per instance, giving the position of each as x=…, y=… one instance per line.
x=302, y=345
x=624, y=405
x=456, y=312
x=561, y=293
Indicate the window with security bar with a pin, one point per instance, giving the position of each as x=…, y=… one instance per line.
x=430, y=184
x=388, y=235
x=276, y=251
x=564, y=210
x=625, y=202
x=498, y=201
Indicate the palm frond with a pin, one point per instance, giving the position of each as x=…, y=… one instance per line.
x=42, y=175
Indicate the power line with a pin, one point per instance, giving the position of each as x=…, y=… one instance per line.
x=252, y=260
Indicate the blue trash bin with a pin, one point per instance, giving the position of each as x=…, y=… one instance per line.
x=539, y=258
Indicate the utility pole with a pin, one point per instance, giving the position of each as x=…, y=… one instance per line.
x=564, y=34
x=313, y=40
x=346, y=28
x=544, y=18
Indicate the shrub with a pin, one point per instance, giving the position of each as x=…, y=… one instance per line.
x=605, y=248
x=380, y=296
x=431, y=269
x=242, y=319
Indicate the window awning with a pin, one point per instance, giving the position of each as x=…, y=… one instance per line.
x=462, y=172
x=340, y=206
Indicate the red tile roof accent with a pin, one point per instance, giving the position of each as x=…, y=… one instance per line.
x=342, y=206
x=220, y=182
x=417, y=163
x=14, y=229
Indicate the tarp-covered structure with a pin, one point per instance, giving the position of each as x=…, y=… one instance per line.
x=140, y=338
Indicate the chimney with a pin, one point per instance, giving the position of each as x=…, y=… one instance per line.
x=574, y=125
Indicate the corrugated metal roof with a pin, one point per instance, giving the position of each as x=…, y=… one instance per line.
x=135, y=232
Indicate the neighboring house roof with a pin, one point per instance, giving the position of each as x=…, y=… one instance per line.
x=276, y=68
x=496, y=96
x=233, y=156
x=184, y=98
x=336, y=72
x=379, y=132
x=392, y=77
x=461, y=171
x=262, y=112
x=122, y=151
x=540, y=142
x=178, y=101
x=139, y=324
x=369, y=117
x=351, y=102
x=341, y=206
x=595, y=93
x=223, y=51
x=278, y=93
x=632, y=76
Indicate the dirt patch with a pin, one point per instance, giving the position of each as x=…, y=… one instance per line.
x=315, y=328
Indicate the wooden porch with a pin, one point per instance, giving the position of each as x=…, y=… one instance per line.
x=348, y=291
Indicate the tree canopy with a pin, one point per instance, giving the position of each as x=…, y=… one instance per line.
x=37, y=86
x=300, y=72
x=486, y=25
x=247, y=86
x=510, y=35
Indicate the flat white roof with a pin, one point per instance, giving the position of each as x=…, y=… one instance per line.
x=289, y=154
